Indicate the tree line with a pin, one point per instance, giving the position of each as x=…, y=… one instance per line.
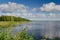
x=12, y=18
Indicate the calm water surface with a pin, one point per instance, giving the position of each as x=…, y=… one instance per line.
x=48, y=29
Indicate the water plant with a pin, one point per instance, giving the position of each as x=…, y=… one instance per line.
x=6, y=35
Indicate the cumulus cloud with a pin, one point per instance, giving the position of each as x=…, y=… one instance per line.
x=20, y=10
x=35, y=9
x=37, y=16
x=13, y=7
x=49, y=7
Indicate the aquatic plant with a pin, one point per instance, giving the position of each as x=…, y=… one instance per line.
x=6, y=35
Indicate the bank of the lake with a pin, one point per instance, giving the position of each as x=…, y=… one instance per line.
x=10, y=23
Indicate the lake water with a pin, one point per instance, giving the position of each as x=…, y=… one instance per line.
x=48, y=29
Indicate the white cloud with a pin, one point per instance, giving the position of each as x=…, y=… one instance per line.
x=27, y=15
x=35, y=16
x=50, y=7
x=34, y=9
x=13, y=7
x=41, y=15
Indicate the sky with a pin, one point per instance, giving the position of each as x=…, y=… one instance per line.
x=31, y=9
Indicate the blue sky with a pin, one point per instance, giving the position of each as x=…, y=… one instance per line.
x=31, y=9
x=36, y=3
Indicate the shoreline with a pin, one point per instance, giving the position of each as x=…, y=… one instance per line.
x=11, y=23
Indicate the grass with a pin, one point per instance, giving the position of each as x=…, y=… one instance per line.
x=6, y=35
x=9, y=23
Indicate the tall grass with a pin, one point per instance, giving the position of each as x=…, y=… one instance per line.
x=6, y=35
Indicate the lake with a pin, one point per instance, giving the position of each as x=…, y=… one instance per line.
x=49, y=29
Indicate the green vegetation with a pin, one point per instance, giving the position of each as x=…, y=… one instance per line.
x=8, y=21
x=12, y=18
x=6, y=35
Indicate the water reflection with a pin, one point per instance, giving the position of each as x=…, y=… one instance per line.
x=48, y=29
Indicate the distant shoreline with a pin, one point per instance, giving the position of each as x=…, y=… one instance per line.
x=45, y=20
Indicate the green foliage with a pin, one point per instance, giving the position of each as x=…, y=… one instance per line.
x=6, y=35
x=12, y=18
x=31, y=38
x=23, y=35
